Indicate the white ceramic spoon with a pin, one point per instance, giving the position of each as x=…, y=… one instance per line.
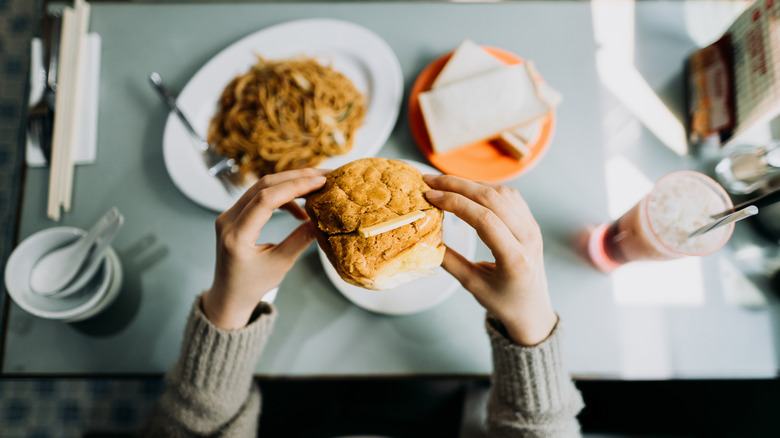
x=92, y=264
x=57, y=269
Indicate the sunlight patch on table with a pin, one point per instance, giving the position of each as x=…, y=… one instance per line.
x=644, y=347
x=676, y=283
x=613, y=26
x=621, y=130
x=626, y=185
x=737, y=289
x=614, y=29
x=705, y=24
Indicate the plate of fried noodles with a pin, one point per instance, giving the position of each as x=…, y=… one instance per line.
x=305, y=93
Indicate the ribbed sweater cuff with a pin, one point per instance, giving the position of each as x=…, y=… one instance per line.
x=214, y=374
x=217, y=360
x=531, y=380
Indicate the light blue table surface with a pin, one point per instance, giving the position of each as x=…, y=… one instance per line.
x=619, y=126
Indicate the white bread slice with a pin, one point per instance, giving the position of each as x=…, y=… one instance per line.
x=480, y=107
x=517, y=142
x=512, y=145
x=467, y=61
x=470, y=60
x=530, y=132
x=543, y=91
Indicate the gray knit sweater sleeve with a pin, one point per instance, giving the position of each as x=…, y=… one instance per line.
x=209, y=392
x=532, y=394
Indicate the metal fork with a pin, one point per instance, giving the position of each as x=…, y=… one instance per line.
x=40, y=117
x=218, y=165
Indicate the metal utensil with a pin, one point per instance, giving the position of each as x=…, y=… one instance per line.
x=746, y=168
x=220, y=166
x=40, y=118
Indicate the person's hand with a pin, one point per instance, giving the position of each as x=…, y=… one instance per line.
x=245, y=271
x=514, y=288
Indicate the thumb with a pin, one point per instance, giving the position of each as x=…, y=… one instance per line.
x=291, y=248
x=461, y=268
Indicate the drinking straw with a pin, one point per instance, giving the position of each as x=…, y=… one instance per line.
x=760, y=202
x=733, y=217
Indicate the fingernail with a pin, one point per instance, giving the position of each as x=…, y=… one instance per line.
x=319, y=180
x=433, y=194
x=428, y=177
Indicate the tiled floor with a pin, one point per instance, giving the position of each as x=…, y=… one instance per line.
x=74, y=407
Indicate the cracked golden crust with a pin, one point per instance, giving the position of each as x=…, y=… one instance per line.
x=359, y=259
x=366, y=192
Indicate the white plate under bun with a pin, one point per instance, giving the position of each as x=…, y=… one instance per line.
x=72, y=307
x=420, y=294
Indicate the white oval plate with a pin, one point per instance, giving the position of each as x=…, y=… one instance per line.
x=417, y=295
x=359, y=54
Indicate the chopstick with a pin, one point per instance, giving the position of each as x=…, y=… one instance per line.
x=67, y=107
x=82, y=14
x=58, y=151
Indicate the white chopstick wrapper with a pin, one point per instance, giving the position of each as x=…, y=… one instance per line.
x=67, y=107
x=85, y=148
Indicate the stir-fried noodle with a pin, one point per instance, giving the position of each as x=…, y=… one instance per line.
x=286, y=114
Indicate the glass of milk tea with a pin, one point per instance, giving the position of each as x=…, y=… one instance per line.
x=657, y=227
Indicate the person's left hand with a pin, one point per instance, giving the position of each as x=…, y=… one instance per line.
x=246, y=271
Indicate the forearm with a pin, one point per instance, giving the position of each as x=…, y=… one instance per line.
x=532, y=394
x=209, y=390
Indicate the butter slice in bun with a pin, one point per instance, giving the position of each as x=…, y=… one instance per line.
x=375, y=224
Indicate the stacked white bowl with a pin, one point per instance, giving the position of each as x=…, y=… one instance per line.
x=99, y=292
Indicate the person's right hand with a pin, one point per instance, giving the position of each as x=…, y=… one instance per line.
x=246, y=271
x=514, y=287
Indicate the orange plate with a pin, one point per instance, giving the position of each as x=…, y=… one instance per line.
x=478, y=161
